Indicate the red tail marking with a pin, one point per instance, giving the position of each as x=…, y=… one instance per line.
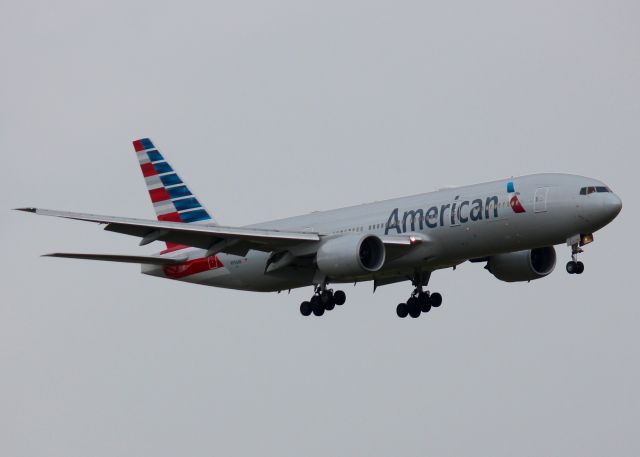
x=171, y=217
x=148, y=169
x=191, y=267
x=159, y=195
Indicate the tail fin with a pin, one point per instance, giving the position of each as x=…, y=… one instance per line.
x=172, y=199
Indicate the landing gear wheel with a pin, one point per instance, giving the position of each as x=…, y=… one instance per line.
x=327, y=300
x=435, y=299
x=326, y=296
x=572, y=267
x=579, y=268
x=423, y=302
x=402, y=311
x=318, y=310
x=305, y=308
x=414, y=307
x=339, y=297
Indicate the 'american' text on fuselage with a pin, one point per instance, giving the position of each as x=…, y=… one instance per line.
x=459, y=212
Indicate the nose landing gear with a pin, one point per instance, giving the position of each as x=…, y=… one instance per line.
x=574, y=266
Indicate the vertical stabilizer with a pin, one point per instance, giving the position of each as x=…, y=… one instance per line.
x=171, y=198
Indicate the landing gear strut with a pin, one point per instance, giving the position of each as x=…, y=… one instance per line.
x=420, y=301
x=574, y=266
x=323, y=299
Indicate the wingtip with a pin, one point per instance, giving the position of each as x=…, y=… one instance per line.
x=26, y=209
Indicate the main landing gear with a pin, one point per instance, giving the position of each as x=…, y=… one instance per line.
x=323, y=300
x=420, y=301
x=574, y=266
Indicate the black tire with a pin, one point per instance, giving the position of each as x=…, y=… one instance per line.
x=423, y=301
x=413, y=307
x=305, y=308
x=571, y=267
x=326, y=297
x=435, y=299
x=318, y=310
x=315, y=301
x=339, y=297
x=402, y=311
x=579, y=268
x=330, y=304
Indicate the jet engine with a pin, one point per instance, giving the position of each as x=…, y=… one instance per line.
x=523, y=265
x=351, y=255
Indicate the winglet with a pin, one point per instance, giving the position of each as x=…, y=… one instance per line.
x=27, y=210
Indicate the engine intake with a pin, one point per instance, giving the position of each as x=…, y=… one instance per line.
x=351, y=255
x=523, y=265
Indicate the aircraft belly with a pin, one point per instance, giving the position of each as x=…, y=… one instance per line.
x=248, y=273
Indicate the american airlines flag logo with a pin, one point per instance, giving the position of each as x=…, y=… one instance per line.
x=514, y=202
x=172, y=199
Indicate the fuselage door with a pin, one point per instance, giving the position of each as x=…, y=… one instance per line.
x=540, y=200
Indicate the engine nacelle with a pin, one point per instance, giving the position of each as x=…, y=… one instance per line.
x=523, y=265
x=351, y=255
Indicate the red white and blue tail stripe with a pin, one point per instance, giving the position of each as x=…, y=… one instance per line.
x=171, y=198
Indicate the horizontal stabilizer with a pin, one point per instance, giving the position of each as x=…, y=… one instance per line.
x=149, y=260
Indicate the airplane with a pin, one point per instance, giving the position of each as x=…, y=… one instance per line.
x=510, y=225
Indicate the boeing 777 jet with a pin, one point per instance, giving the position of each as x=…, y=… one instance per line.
x=511, y=225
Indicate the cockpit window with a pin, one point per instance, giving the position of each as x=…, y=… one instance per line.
x=592, y=189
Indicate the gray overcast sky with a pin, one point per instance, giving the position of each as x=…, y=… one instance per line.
x=273, y=108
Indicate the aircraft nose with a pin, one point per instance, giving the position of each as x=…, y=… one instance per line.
x=612, y=206
x=599, y=209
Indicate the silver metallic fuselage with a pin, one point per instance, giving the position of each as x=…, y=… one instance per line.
x=554, y=211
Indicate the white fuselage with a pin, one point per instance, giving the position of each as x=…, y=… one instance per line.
x=456, y=224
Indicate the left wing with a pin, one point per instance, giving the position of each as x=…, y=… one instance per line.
x=232, y=240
